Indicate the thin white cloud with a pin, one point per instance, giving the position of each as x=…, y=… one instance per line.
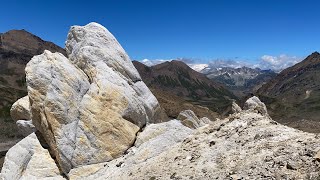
x=198, y=67
x=219, y=63
x=275, y=63
x=278, y=63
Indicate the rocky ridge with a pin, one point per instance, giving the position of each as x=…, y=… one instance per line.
x=246, y=145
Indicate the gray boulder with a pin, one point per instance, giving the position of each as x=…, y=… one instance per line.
x=20, y=112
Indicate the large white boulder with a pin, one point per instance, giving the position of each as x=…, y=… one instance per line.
x=88, y=107
x=96, y=51
x=29, y=160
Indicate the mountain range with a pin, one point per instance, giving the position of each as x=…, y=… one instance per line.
x=241, y=81
x=176, y=85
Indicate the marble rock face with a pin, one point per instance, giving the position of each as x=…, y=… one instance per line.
x=88, y=107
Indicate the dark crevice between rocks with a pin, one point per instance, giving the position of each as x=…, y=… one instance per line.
x=126, y=151
x=89, y=79
x=135, y=139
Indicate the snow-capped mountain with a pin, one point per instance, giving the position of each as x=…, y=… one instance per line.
x=198, y=67
x=241, y=81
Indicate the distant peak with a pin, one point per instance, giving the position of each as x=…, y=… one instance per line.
x=17, y=31
x=22, y=41
x=178, y=63
x=314, y=55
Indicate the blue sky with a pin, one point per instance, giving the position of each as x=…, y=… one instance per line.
x=168, y=29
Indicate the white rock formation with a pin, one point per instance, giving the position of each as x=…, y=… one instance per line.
x=28, y=160
x=96, y=51
x=88, y=107
x=20, y=110
x=189, y=119
x=246, y=145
